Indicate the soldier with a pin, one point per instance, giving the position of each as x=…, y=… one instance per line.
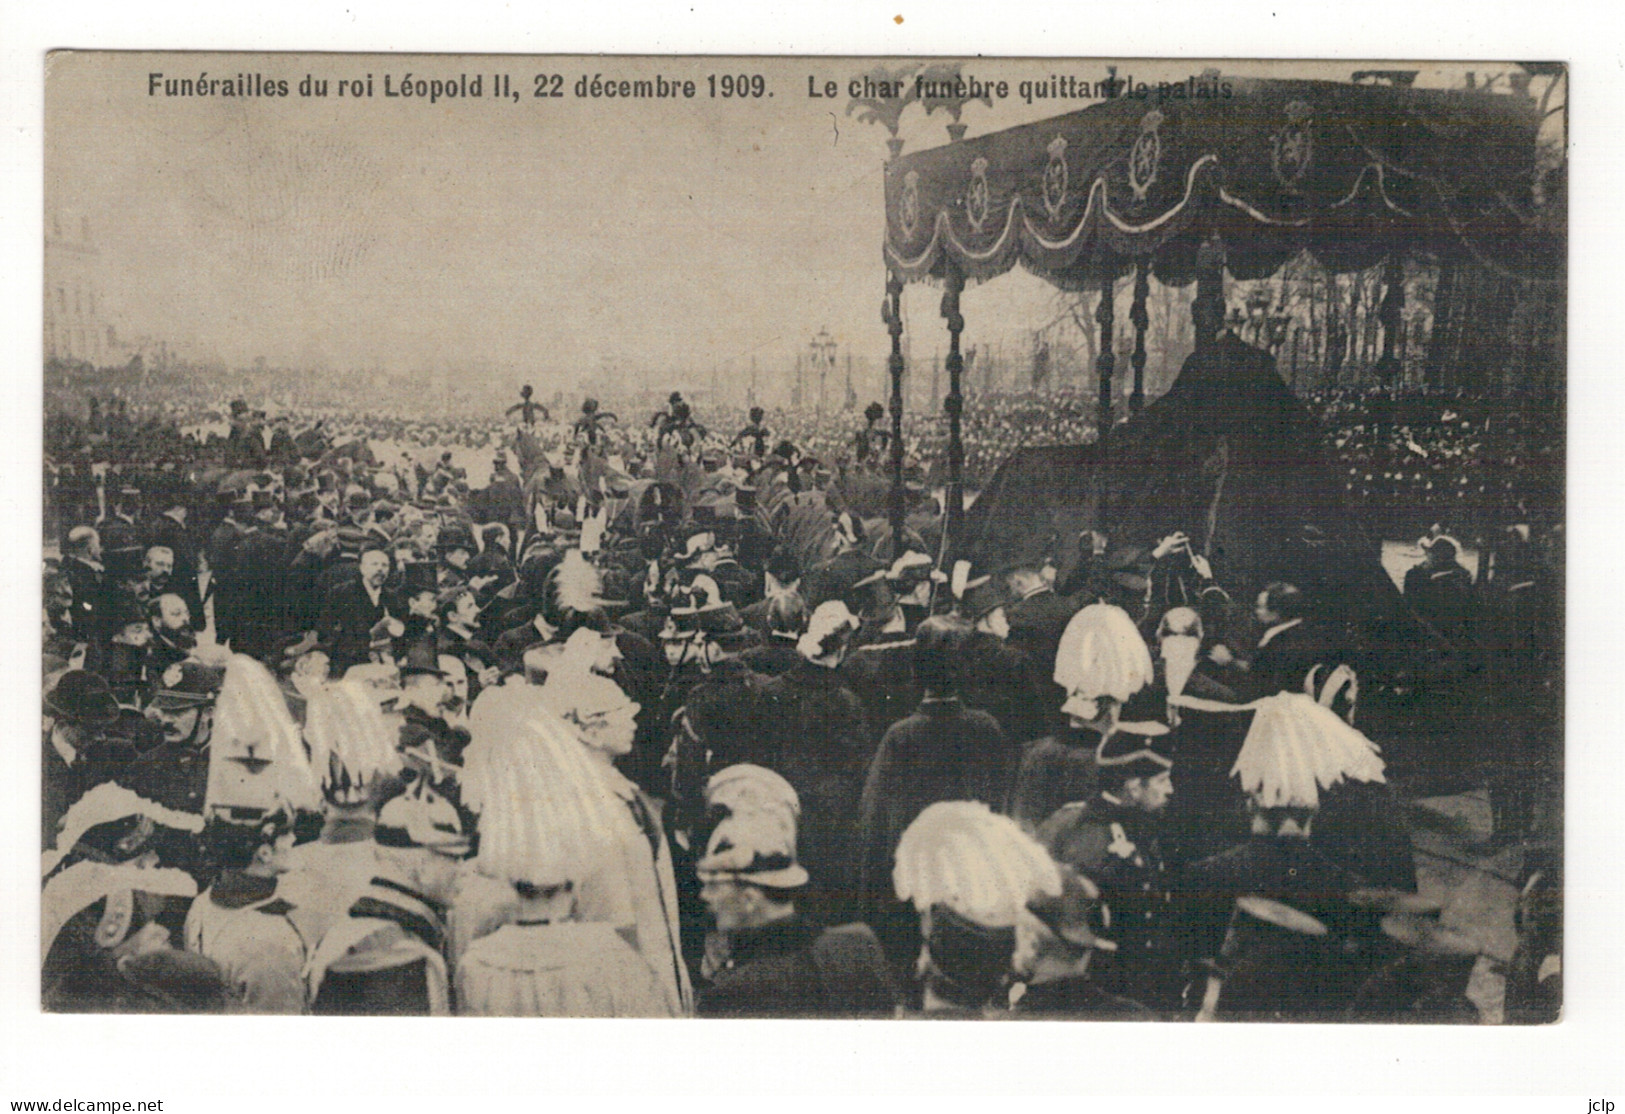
x=572, y=866
x=1056, y=980
x=388, y=955
x=354, y=756
x=241, y=922
x=526, y=408
x=258, y=777
x=1112, y=839
x=1102, y=662
x=755, y=432
x=176, y=772
x=1293, y=752
x=777, y=963
x=88, y=739
x=970, y=875
x=112, y=895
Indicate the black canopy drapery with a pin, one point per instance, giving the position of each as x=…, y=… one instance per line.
x=1348, y=172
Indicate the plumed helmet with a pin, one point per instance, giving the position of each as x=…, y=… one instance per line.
x=256, y=755
x=1101, y=654
x=964, y=856
x=1295, y=748
x=830, y=622
x=352, y=745
x=746, y=787
x=546, y=814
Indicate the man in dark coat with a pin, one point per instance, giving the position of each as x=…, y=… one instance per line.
x=943, y=752
x=168, y=528
x=1036, y=615
x=388, y=956
x=769, y=960
x=1440, y=591
x=1275, y=975
x=1292, y=644
x=87, y=578
x=352, y=610
x=816, y=736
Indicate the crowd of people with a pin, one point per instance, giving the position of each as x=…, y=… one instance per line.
x=658, y=719
x=1422, y=457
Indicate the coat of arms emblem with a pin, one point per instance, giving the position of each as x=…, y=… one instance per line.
x=1055, y=178
x=976, y=195
x=1292, y=148
x=908, y=206
x=1145, y=155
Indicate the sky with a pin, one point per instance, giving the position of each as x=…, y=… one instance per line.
x=538, y=239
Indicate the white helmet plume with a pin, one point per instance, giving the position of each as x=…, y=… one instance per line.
x=1295, y=748
x=352, y=745
x=1102, y=654
x=254, y=730
x=545, y=811
x=965, y=856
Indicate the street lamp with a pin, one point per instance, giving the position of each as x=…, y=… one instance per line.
x=822, y=349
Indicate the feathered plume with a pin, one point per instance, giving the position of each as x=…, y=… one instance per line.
x=1102, y=654
x=1295, y=748
x=592, y=531
x=256, y=756
x=544, y=810
x=979, y=864
x=828, y=623
x=352, y=746
x=578, y=583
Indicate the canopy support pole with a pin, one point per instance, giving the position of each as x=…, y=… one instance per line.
x=1106, y=365
x=1207, y=309
x=1137, y=315
x=892, y=313
x=953, y=405
x=1391, y=312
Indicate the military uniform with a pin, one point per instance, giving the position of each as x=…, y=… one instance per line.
x=244, y=926
x=1114, y=846
x=386, y=958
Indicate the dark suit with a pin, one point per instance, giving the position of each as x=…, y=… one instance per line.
x=1281, y=664
x=91, y=600
x=348, y=616
x=791, y=969
x=1036, y=625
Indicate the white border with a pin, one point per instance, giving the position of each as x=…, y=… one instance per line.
x=194, y=1065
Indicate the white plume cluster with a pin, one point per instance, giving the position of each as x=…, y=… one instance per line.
x=1295, y=748
x=981, y=865
x=251, y=721
x=1102, y=654
x=545, y=811
x=351, y=743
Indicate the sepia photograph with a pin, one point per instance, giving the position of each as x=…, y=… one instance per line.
x=816, y=537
